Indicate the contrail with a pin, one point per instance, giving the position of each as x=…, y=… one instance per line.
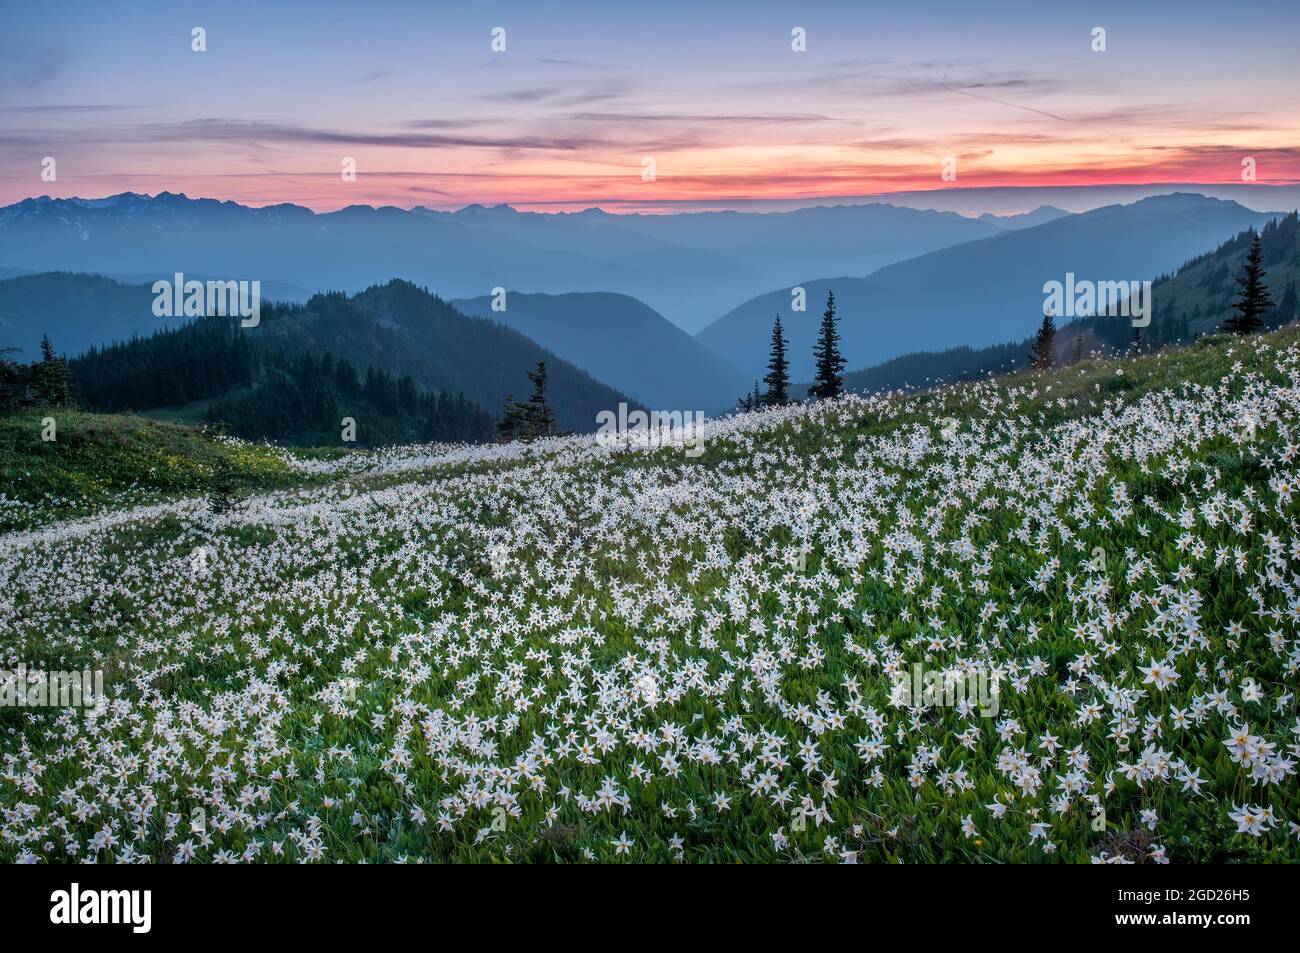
x=1001, y=102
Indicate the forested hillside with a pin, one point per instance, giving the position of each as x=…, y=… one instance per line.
x=214, y=371
x=402, y=362
x=1195, y=300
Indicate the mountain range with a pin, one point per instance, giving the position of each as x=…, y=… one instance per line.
x=396, y=328
x=604, y=346
x=1194, y=300
x=624, y=343
x=690, y=267
x=981, y=292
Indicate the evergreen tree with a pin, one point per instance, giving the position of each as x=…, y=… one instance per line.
x=345, y=379
x=524, y=421
x=778, y=370
x=52, y=377
x=1040, y=355
x=1253, y=299
x=513, y=424
x=751, y=401
x=15, y=382
x=1135, y=346
x=265, y=388
x=829, y=379
x=542, y=417
x=1078, y=347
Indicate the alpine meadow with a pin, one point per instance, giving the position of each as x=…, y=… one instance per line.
x=598, y=434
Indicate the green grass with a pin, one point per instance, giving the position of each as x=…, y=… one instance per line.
x=98, y=461
x=194, y=413
x=113, y=461
x=387, y=578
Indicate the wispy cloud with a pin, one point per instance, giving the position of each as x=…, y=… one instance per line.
x=56, y=108
x=586, y=91
x=567, y=96
x=271, y=133
x=969, y=90
x=26, y=68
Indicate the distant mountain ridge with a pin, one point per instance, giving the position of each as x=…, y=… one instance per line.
x=75, y=310
x=211, y=371
x=624, y=343
x=688, y=267
x=1196, y=299
x=396, y=327
x=1044, y=213
x=982, y=292
x=978, y=292
x=80, y=310
x=781, y=247
x=405, y=329
x=350, y=249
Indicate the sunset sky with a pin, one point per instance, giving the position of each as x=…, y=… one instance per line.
x=585, y=91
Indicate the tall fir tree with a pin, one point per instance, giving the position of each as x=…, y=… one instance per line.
x=750, y=401
x=52, y=377
x=778, y=370
x=1253, y=300
x=534, y=418
x=1078, y=347
x=541, y=415
x=513, y=424
x=1040, y=355
x=829, y=379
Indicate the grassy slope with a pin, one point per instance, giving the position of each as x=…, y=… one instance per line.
x=195, y=412
x=110, y=461
x=100, y=461
x=922, y=826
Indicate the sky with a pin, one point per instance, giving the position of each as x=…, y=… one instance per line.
x=585, y=95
